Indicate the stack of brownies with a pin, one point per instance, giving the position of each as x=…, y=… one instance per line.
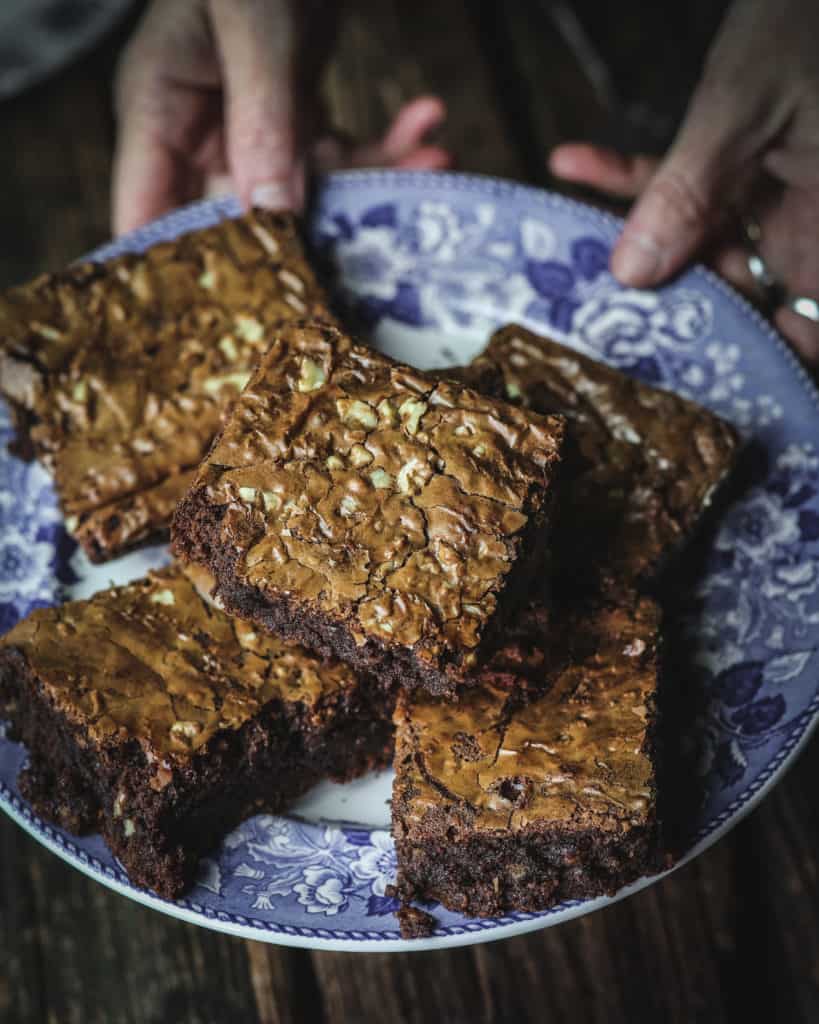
x=454, y=566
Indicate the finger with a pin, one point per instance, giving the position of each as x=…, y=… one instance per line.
x=256, y=44
x=209, y=154
x=148, y=179
x=155, y=121
x=602, y=168
x=678, y=210
x=802, y=334
x=413, y=122
x=796, y=165
x=720, y=144
x=333, y=154
x=788, y=222
x=402, y=146
x=731, y=263
x=161, y=132
x=426, y=158
x=218, y=185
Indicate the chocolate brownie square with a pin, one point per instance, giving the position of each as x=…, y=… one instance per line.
x=370, y=511
x=153, y=716
x=640, y=464
x=119, y=373
x=527, y=792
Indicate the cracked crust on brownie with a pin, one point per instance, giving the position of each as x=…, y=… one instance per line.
x=512, y=799
x=370, y=511
x=153, y=716
x=640, y=464
x=119, y=373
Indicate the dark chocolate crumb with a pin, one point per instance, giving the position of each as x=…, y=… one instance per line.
x=415, y=923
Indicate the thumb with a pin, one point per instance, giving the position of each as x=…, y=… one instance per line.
x=717, y=152
x=256, y=44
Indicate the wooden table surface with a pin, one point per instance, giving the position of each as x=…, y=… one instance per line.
x=734, y=934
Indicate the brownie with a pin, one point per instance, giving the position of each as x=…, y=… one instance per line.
x=154, y=717
x=119, y=373
x=371, y=512
x=414, y=922
x=640, y=464
x=520, y=795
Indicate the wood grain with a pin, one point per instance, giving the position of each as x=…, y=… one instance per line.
x=392, y=51
x=56, y=166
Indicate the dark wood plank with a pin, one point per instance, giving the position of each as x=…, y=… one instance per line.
x=54, y=193
x=73, y=951
x=394, y=50
x=653, y=55
x=545, y=95
x=630, y=962
x=782, y=839
x=285, y=985
x=660, y=955
x=412, y=988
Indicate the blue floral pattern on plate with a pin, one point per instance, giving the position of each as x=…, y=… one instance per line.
x=433, y=263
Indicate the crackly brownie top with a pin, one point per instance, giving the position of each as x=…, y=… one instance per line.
x=122, y=369
x=575, y=758
x=641, y=463
x=158, y=662
x=386, y=499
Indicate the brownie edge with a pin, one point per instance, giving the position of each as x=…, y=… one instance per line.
x=119, y=373
x=159, y=830
x=521, y=796
x=155, y=718
x=372, y=512
x=641, y=464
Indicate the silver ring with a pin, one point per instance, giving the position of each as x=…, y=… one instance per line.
x=752, y=231
x=775, y=291
x=757, y=267
x=761, y=272
x=804, y=306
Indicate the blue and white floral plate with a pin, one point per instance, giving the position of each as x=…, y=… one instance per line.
x=433, y=263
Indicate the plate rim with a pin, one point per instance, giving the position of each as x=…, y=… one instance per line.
x=483, y=930
x=457, y=935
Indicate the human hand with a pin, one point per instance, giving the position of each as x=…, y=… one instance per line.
x=748, y=147
x=223, y=93
x=401, y=146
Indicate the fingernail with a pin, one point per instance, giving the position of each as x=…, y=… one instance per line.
x=562, y=163
x=218, y=185
x=272, y=195
x=636, y=260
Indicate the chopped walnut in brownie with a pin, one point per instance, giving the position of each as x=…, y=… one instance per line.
x=374, y=513
x=640, y=464
x=152, y=715
x=119, y=373
x=514, y=800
